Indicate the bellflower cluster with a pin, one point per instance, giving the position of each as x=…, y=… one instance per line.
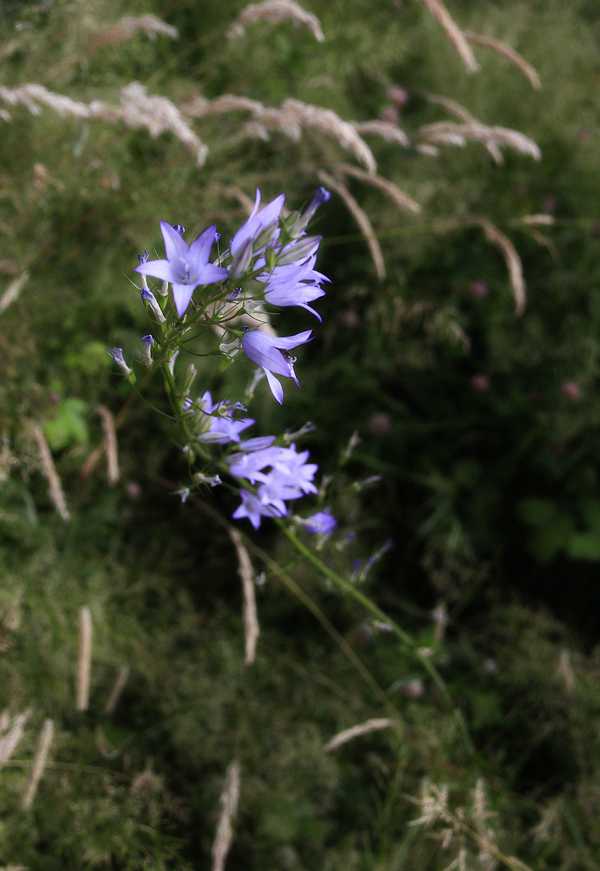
x=229, y=289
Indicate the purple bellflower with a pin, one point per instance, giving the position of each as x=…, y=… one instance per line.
x=281, y=474
x=186, y=266
x=265, y=350
x=296, y=285
x=254, y=509
x=250, y=464
x=290, y=478
x=321, y=523
x=258, y=222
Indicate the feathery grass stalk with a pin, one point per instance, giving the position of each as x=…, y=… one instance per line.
x=251, y=626
x=494, y=138
x=501, y=48
x=230, y=797
x=84, y=659
x=453, y=32
x=110, y=444
x=117, y=690
x=12, y=292
x=13, y=732
x=39, y=764
x=276, y=11
x=128, y=26
x=57, y=496
x=402, y=200
x=384, y=129
x=361, y=218
x=373, y=725
x=512, y=260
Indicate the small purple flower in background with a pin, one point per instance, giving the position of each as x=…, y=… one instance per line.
x=186, y=266
x=321, y=523
x=571, y=390
x=265, y=350
x=259, y=221
x=478, y=289
x=380, y=423
x=480, y=383
x=398, y=95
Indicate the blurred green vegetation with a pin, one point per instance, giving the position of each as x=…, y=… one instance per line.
x=483, y=426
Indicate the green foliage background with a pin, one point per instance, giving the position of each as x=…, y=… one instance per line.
x=489, y=492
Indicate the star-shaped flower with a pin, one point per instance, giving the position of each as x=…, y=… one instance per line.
x=186, y=266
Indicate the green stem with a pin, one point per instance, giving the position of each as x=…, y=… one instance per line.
x=354, y=593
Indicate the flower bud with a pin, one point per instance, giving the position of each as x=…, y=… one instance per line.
x=152, y=305
x=147, y=343
x=305, y=429
x=119, y=359
x=184, y=494
x=299, y=251
x=321, y=196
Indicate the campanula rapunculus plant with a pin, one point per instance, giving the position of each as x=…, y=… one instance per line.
x=269, y=263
